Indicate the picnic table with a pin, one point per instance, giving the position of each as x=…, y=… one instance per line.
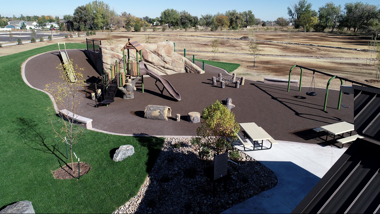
x=255, y=133
x=338, y=128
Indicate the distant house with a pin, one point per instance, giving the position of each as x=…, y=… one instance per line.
x=69, y=24
x=18, y=24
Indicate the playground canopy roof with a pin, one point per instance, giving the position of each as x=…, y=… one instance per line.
x=133, y=45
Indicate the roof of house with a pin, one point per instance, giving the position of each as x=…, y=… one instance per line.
x=352, y=185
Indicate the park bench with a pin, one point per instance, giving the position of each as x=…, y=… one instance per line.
x=77, y=118
x=349, y=139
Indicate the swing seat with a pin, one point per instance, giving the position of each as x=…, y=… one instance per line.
x=311, y=93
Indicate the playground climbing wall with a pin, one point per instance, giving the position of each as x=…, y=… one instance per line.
x=160, y=58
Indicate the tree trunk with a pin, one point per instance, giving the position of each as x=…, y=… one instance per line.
x=71, y=151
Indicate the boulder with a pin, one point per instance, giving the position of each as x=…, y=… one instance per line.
x=157, y=112
x=123, y=152
x=19, y=207
x=194, y=117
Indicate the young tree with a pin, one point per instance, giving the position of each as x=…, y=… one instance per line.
x=217, y=130
x=19, y=42
x=67, y=95
x=11, y=35
x=23, y=26
x=215, y=46
x=253, y=47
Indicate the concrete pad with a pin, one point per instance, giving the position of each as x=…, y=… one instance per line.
x=298, y=167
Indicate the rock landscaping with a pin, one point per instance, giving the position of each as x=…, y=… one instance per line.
x=19, y=207
x=123, y=152
x=180, y=182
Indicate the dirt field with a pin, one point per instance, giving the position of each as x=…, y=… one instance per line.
x=275, y=59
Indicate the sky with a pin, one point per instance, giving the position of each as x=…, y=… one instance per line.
x=264, y=9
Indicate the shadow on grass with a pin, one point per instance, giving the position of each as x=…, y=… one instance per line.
x=154, y=145
x=30, y=130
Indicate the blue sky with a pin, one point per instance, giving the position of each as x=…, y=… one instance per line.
x=264, y=9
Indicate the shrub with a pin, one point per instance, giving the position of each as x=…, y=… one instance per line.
x=90, y=33
x=154, y=29
x=275, y=29
x=235, y=155
x=129, y=29
x=204, y=153
x=137, y=27
x=163, y=28
x=66, y=36
x=214, y=27
x=33, y=40
x=93, y=32
x=49, y=38
x=87, y=33
x=177, y=145
x=42, y=39
x=71, y=35
x=19, y=42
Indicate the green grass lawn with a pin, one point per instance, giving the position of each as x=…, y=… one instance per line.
x=229, y=67
x=29, y=152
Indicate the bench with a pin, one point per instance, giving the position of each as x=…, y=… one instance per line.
x=78, y=118
x=349, y=139
x=245, y=142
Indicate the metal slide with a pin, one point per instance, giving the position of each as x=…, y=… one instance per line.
x=66, y=60
x=169, y=87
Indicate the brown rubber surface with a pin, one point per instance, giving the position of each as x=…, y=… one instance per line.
x=280, y=113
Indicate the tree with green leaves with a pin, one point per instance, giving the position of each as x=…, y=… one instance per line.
x=297, y=10
x=249, y=18
x=185, y=19
x=359, y=15
x=137, y=27
x=170, y=16
x=23, y=26
x=308, y=20
x=328, y=16
x=56, y=19
x=207, y=20
x=218, y=129
x=222, y=21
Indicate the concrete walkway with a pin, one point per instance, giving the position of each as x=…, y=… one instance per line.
x=298, y=166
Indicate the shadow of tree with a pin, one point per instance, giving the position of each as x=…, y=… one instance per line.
x=30, y=130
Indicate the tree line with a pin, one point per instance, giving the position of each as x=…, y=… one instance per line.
x=356, y=16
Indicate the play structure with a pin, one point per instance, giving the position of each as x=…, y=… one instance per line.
x=228, y=80
x=126, y=74
x=66, y=62
x=311, y=92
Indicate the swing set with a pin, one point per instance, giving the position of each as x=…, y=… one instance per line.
x=311, y=92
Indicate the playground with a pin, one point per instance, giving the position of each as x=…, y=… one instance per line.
x=287, y=113
x=269, y=104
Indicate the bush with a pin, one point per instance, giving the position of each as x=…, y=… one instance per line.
x=235, y=155
x=214, y=28
x=275, y=29
x=154, y=29
x=93, y=32
x=66, y=36
x=204, y=153
x=163, y=28
x=71, y=35
x=128, y=28
x=49, y=38
x=19, y=42
x=177, y=145
x=33, y=40
x=137, y=27
x=87, y=33
x=42, y=39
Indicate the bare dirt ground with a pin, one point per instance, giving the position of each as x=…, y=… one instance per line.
x=275, y=59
